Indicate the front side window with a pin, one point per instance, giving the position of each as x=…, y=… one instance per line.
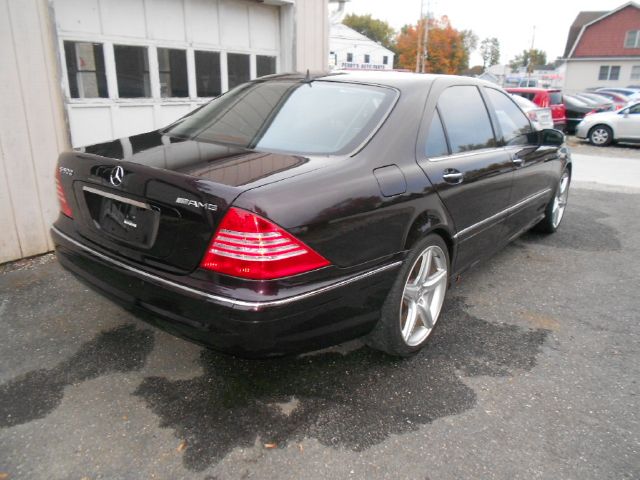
x=85, y=70
x=290, y=116
x=238, y=68
x=265, y=65
x=514, y=124
x=132, y=71
x=466, y=119
x=436, y=144
x=208, y=74
x=172, y=64
x=632, y=39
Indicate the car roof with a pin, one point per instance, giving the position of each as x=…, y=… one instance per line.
x=389, y=78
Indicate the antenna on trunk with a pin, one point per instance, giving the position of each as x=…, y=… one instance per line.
x=307, y=78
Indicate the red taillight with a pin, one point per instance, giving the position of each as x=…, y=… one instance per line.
x=250, y=246
x=62, y=198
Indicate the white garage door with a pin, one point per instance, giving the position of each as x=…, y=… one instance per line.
x=131, y=66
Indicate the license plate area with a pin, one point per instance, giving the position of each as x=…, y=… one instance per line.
x=122, y=218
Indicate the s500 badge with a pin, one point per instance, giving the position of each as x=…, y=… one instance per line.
x=193, y=203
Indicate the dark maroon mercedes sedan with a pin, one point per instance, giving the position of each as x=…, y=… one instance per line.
x=295, y=212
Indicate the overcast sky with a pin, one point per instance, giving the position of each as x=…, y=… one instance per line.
x=511, y=22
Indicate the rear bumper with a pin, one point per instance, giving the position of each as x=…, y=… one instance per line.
x=323, y=315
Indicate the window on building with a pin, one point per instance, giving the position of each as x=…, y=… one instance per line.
x=349, y=57
x=208, y=74
x=632, y=39
x=385, y=60
x=265, y=65
x=635, y=72
x=367, y=59
x=132, y=71
x=172, y=64
x=609, y=72
x=238, y=68
x=465, y=119
x=85, y=70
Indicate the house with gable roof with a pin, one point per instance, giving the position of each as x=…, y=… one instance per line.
x=603, y=49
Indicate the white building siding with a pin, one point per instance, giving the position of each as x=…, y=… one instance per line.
x=32, y=128
x=352, y=50
x=583, y=74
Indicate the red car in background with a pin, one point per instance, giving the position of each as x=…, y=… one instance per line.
x=546, y=98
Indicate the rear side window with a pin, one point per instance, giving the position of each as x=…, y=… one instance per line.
x=466, y=119
x=514, y=124
x=555, y=98
x=436, y=144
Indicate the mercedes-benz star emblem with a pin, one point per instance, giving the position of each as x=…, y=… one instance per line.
x=116, y=177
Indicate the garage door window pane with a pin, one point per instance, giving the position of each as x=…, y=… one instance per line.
x=172, y=64
x=238, y=68
x=208, y=74
x=132, y=71
x=466, y=119
x=265, y=65
x=85, y=70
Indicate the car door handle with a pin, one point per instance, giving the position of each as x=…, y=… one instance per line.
x=517, y=161
x=452, y=176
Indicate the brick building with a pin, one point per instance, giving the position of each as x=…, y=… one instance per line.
x=603, y=49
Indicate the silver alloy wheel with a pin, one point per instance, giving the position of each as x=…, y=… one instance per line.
x=600, y=136
x=560, y=200
x=423, y=295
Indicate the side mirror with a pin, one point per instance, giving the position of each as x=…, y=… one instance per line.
x=550, y=137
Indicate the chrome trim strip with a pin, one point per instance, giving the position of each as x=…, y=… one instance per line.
x=117, y=197
x=217, y=298
x=504, y=212
x=473, y=153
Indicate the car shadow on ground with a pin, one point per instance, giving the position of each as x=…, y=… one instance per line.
x=353, y=400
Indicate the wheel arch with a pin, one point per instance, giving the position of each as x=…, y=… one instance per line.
x=429, y=222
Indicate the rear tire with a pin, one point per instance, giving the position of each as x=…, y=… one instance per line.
x=412, y=308
x=600, y=136
x=554, y=212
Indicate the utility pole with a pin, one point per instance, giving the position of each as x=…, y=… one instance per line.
x=530, y=64
x=423, y=37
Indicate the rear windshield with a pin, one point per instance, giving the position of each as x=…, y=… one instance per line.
x=555, y=98
x=316, y=117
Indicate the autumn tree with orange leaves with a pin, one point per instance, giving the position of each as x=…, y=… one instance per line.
x=447, y=51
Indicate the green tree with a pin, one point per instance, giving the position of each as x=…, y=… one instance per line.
x=529, y=59
x=470, y=44
x=377, y=30
x=490, y=51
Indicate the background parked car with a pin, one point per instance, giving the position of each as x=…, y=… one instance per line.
x=618, y=99
x=603, y=128
x=541, y=118
x=632, y=93
x=576, y=109
x=546, y=98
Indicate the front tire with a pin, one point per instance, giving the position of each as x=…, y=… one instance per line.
x=554, y=212
x=412, y=308
x=600, y=136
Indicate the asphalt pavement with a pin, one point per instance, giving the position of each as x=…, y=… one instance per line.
x=532, y=373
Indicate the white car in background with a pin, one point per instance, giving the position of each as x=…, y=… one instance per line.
x=541, y=118
x=617, y=126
